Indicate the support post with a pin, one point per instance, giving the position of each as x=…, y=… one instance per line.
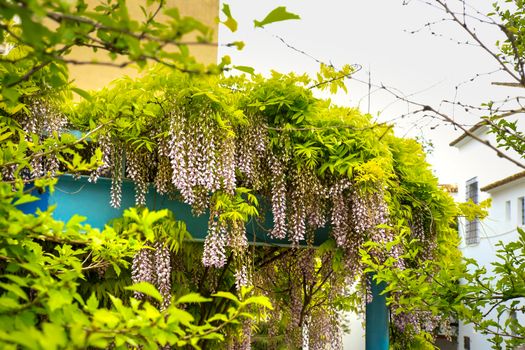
x=377, y=319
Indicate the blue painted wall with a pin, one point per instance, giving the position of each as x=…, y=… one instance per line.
x=91, y=200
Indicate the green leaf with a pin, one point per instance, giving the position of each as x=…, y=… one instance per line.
x=7, y=303
x=17, y=279
x=245, y=69
x=230, y=22
x=218, y=317
x=92, y=302
x=180, y=316
x=15, y=289
x=104, y=316
x=277, y=15
x=192, y=298
x=82, y=93
x=259, y=300
x=226, y=295
x=57, y=299
x=10, y=94
x=238, y=44
x=147, y=289
x=55, y=336
x=25, y=199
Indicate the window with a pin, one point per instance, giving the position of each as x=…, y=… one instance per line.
x=471, y=227
x=472, y=189
x=521, y=211
x=507, y=211
x=466, y=343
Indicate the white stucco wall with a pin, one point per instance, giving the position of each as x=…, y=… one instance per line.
x=355, y=339
x=477, y=160
x=495, y=228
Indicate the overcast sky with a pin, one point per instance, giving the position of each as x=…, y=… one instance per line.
x=376, y=35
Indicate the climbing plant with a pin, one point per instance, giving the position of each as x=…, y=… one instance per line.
x=236, y=148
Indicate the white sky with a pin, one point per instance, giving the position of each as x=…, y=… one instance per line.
x=373, y=33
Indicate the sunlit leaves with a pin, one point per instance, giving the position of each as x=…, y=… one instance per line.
x=278, y=14
x=333, y=79
x=147, y=289
x=230, y=22
x=245, y=69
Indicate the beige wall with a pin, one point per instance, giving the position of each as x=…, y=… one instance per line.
x=92, y=77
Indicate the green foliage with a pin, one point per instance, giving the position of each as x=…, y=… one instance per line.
x=508, y=134
x=462, y=291
x=236, y=209
x=485, y=297
x=471, y=210
x=333, y=79
x=43, y=262
x=510, y=18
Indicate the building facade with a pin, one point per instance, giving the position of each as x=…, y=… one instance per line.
x=482, y=174
x=94, y=77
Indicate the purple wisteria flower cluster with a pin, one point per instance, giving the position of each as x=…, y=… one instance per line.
x=153, y=265
x=42, y=119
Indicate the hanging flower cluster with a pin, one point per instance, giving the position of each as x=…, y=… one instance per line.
x=136, y=168
x=116, y=162
x=103, y=169
x=214, y=254
x=421, y=231
x=201, y=158
x=278, y=199
x=44, y=120
x=223, y=234
x=415, y=322
x=153, y=265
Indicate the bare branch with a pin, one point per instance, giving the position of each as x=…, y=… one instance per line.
x=474, y=36
x=520, y=85
x=427, y=108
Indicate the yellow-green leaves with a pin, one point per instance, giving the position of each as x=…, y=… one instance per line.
x=333, y=79
x=147, y=289
x=278, y=14
x=245, y=69
x=192, y=298
x=144, y=220
x=230, y=22
x=472, y=211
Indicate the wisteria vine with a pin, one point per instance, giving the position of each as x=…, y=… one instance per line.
x=213, y=140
